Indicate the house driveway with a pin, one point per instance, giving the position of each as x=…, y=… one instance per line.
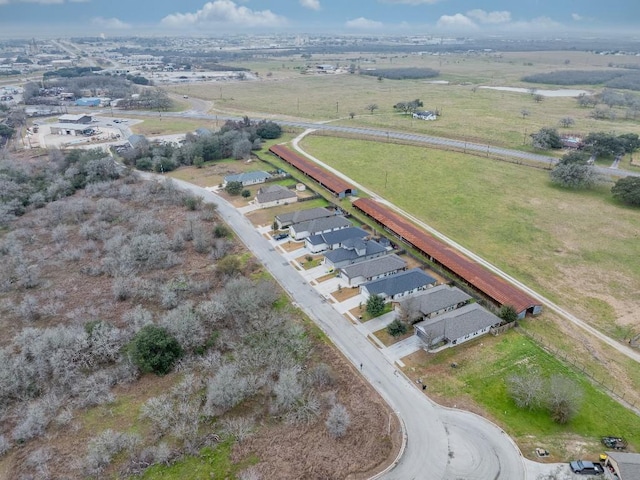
x=403, y=348
x=380, y=322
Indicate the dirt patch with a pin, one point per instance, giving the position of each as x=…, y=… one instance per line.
x=291, y=246
x=389, y=340
x=311, y=453
x=345, y=293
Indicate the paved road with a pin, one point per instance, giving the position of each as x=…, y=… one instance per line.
x=487, y=150
x=442, y=443
x=621, y=348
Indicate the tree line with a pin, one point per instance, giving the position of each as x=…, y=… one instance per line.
x=235, y=139
x=401, y=73
x=620, y=78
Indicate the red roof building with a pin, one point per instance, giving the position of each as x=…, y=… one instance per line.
x=497, y=289
x=328, y=180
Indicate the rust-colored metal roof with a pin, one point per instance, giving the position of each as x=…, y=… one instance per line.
x=486, y=282
x=323, y=177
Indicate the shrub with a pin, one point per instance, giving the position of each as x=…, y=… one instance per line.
x=338, y=420
x=268, y=130
x=246, y=193
x=627, y=190
x=375, y=305
x=508, y=314
x=233, y=188
x=397, y=328
x=154, y=349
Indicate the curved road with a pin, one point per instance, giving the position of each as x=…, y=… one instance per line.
x=438, y=142
x=441, y=443
x=621, y=348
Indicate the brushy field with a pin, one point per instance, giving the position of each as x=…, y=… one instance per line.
x=479, y=381
x=468, y=113
x=579, y=248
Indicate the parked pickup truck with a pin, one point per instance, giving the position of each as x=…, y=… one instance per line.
x=585, y=467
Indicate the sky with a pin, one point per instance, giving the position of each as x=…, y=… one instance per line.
x=389, y=17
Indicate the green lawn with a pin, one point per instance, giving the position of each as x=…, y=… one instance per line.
x=211, y=464
x=579, y=248
x=484, y=365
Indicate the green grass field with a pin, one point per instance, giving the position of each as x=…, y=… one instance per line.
x=484, y=365
x=579, y=248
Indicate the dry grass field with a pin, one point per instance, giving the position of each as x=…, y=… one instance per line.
x=468, y=113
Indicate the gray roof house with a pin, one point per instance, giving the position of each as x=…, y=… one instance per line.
x=287, y=219
x=302, y=230
x=353, y=250
x=248, y=178
x=456, y=326
x=71, y=118
x=435, y=301
x=273, y=195
x=330, y=240
x=372, y=269
x=399, y=285
x=137, y=141
x=203, y=132
x=625, y=466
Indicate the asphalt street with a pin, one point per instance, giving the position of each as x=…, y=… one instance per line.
x=439, y=142
x=442, y=443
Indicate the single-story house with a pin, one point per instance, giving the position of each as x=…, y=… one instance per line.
x=69, y=118
x=248, y=178
x=623, y=465
x=353, y=251
x=137, y=141
x=402, y=284
x=285, y=220
x=435, y=301
x=456, y=326
x=425, y=115
x=273, y=195
x=373, y=269
x=303, y=230
x=330, y=240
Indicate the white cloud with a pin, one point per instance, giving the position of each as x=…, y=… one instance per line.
x=224, y=12
x=110, y=23
x=577, y=17
x=311, y=4
x=411, y=2
x=456, y=22
x=362, y=23
x=496, y=17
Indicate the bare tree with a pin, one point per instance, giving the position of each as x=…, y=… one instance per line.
x=563, y=398
x=525, y=112
x=338, y=420
x=239, y=428
x=567, y=122
x=526, y=390
x=372, y=107
x=287, y=390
